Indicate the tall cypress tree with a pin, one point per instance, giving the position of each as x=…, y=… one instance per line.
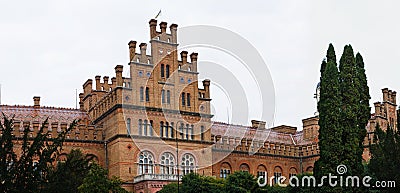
x=364, y=108
x=330, y=131
x=352, y=156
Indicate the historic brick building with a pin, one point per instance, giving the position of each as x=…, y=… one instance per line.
x=133, y=125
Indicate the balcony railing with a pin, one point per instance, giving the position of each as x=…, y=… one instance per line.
x=162, y=177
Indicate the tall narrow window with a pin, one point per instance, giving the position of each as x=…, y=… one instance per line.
x=128, y=126
x=147, y=94
x=181, y=130
x=151, y=128
x=167, y=71
x=172, y=130
x=141, y=93
x=183, y=99
x=188, y=99
x=166, y=129
x=161, y=129
x=145, y=128
x=191, y=132
x=168, y=97
x=162, y=70
x=163, y=96
x=202, y=132
x=187, y=131
x=140, y=127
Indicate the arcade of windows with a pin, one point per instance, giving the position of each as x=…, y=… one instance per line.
x=167, y=163
x=165, y=100
x=145, y=128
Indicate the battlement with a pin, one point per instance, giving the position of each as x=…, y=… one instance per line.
x=162, y=35
x=59, y=119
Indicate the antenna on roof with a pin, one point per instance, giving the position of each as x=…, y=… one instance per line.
x=158, y=14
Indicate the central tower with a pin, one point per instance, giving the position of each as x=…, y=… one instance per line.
x=156, y=123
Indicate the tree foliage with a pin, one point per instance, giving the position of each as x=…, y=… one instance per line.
x=385, y=157
x=330, y=131
x=28, y=170
x=68, y=175
x=96, y=181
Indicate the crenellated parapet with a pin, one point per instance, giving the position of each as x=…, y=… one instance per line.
x=279, y=140
x=59, y=119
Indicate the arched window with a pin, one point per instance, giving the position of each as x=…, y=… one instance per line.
x=171, y=128
x=183, y=99
x=141, y=93
x=163, y=96
x=188, y=99
x=181, y=130
x=277, y=174
x=146, y=163
x=162, y=70
x=225, y=170
x=140, y=127
x=168, y=97
x=292, y=172
x=167, y=71
x=188, y=164
x=187, y=131
x=167, y=163
x=244, y=167
x=161, y=129
x=128, y=126
x=179, y=67
x=151, y=128
x=145, y=128
x=191, y=132
x=147, y=94
x=202, y=132
x=166, y=129
x=262, y=171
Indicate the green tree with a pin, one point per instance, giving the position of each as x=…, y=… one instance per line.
x=27, y=172
x=330, y=131
x=69, y=175
x=241, y=182
x=385, y=160
x=352, y=156
x=194, y=183
x=96, y=181
x=169, y=188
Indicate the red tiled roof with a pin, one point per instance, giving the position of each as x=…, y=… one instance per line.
x=266, y=135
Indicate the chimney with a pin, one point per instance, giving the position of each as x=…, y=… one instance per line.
x=106, y=86
x=394, y=97
x=206, y=85
x=81, y=106
x=132, y=50
x=153, y=25
x=143, y=47
x=184, y=57
x=98, y=84
x=36, y=101
x=193, y=57
x=163, y=27
x=258, y=124
x=385, y=94
x=118, y=75
x=173, y=28
x=377, y=108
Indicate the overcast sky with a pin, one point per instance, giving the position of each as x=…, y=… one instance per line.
x=50, y=48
